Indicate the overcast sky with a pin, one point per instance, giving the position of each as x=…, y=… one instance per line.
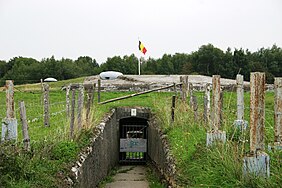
x=105, y=28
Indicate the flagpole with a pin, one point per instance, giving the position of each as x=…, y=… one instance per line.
x=139, y=66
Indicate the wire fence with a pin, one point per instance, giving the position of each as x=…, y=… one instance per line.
x=34, y=104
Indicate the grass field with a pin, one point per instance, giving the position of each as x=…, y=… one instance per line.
x=198, y=166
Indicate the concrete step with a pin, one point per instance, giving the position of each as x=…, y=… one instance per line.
x=128, y=177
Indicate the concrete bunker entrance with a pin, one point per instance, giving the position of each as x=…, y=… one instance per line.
x=133, y=142
x=129, y=135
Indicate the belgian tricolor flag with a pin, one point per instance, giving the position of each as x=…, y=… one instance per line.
x=142, y=48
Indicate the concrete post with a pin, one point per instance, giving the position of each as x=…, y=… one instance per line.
x=240, y=123
x=257, y=163
x=215, y=134
x=9, y=124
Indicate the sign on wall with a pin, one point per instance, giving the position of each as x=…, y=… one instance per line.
x=133, y=145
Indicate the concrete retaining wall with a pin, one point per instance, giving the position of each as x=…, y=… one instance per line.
x=100, y=157
x=160, y=154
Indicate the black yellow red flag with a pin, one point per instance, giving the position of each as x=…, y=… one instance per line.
x=142, y=47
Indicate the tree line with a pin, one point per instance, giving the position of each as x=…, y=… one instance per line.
x=207, y=60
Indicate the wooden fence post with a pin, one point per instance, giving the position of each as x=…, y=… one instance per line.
x=257, y=112
x=9, y=124
x=72, y=113
x=184, y=81
x=195, y=107
x=181, y=88
x=191, y=94
x=173, y=107
x=80, y=107
x=89, y=103
x=99, y=90
x=216, y=102
x=68, y=100
x=258, y=161
x=240, y=123
x=174, y=89
x=207, y=104
x=46, y=105
x=26, y=140
x=278, y=111
x=215, y=134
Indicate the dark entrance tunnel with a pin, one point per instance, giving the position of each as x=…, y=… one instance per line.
x=133, y=140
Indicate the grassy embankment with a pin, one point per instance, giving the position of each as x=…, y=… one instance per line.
x=52, y=150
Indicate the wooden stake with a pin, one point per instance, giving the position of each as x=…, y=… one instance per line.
x=10, y=99
x=216, y=103
x=80, y=107
x=99, y=90
x=173, y=108
x=257, y=112
x=46, y=105
x=207, y=105
x=195, y=107
x=278, y=110
x=240, y=97
x=26, y=139
x=72, y=114
x=89, y=103
x=68, y=100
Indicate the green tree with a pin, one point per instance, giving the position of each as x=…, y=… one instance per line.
x=87, y=66
x=208, y=60
x=24, y=70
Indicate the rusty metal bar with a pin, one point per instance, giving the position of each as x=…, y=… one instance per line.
x=240, y=96
x=278, y=109
x=257, y=111
x=216, y=102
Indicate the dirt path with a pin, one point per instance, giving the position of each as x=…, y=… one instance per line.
x=128, y=177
